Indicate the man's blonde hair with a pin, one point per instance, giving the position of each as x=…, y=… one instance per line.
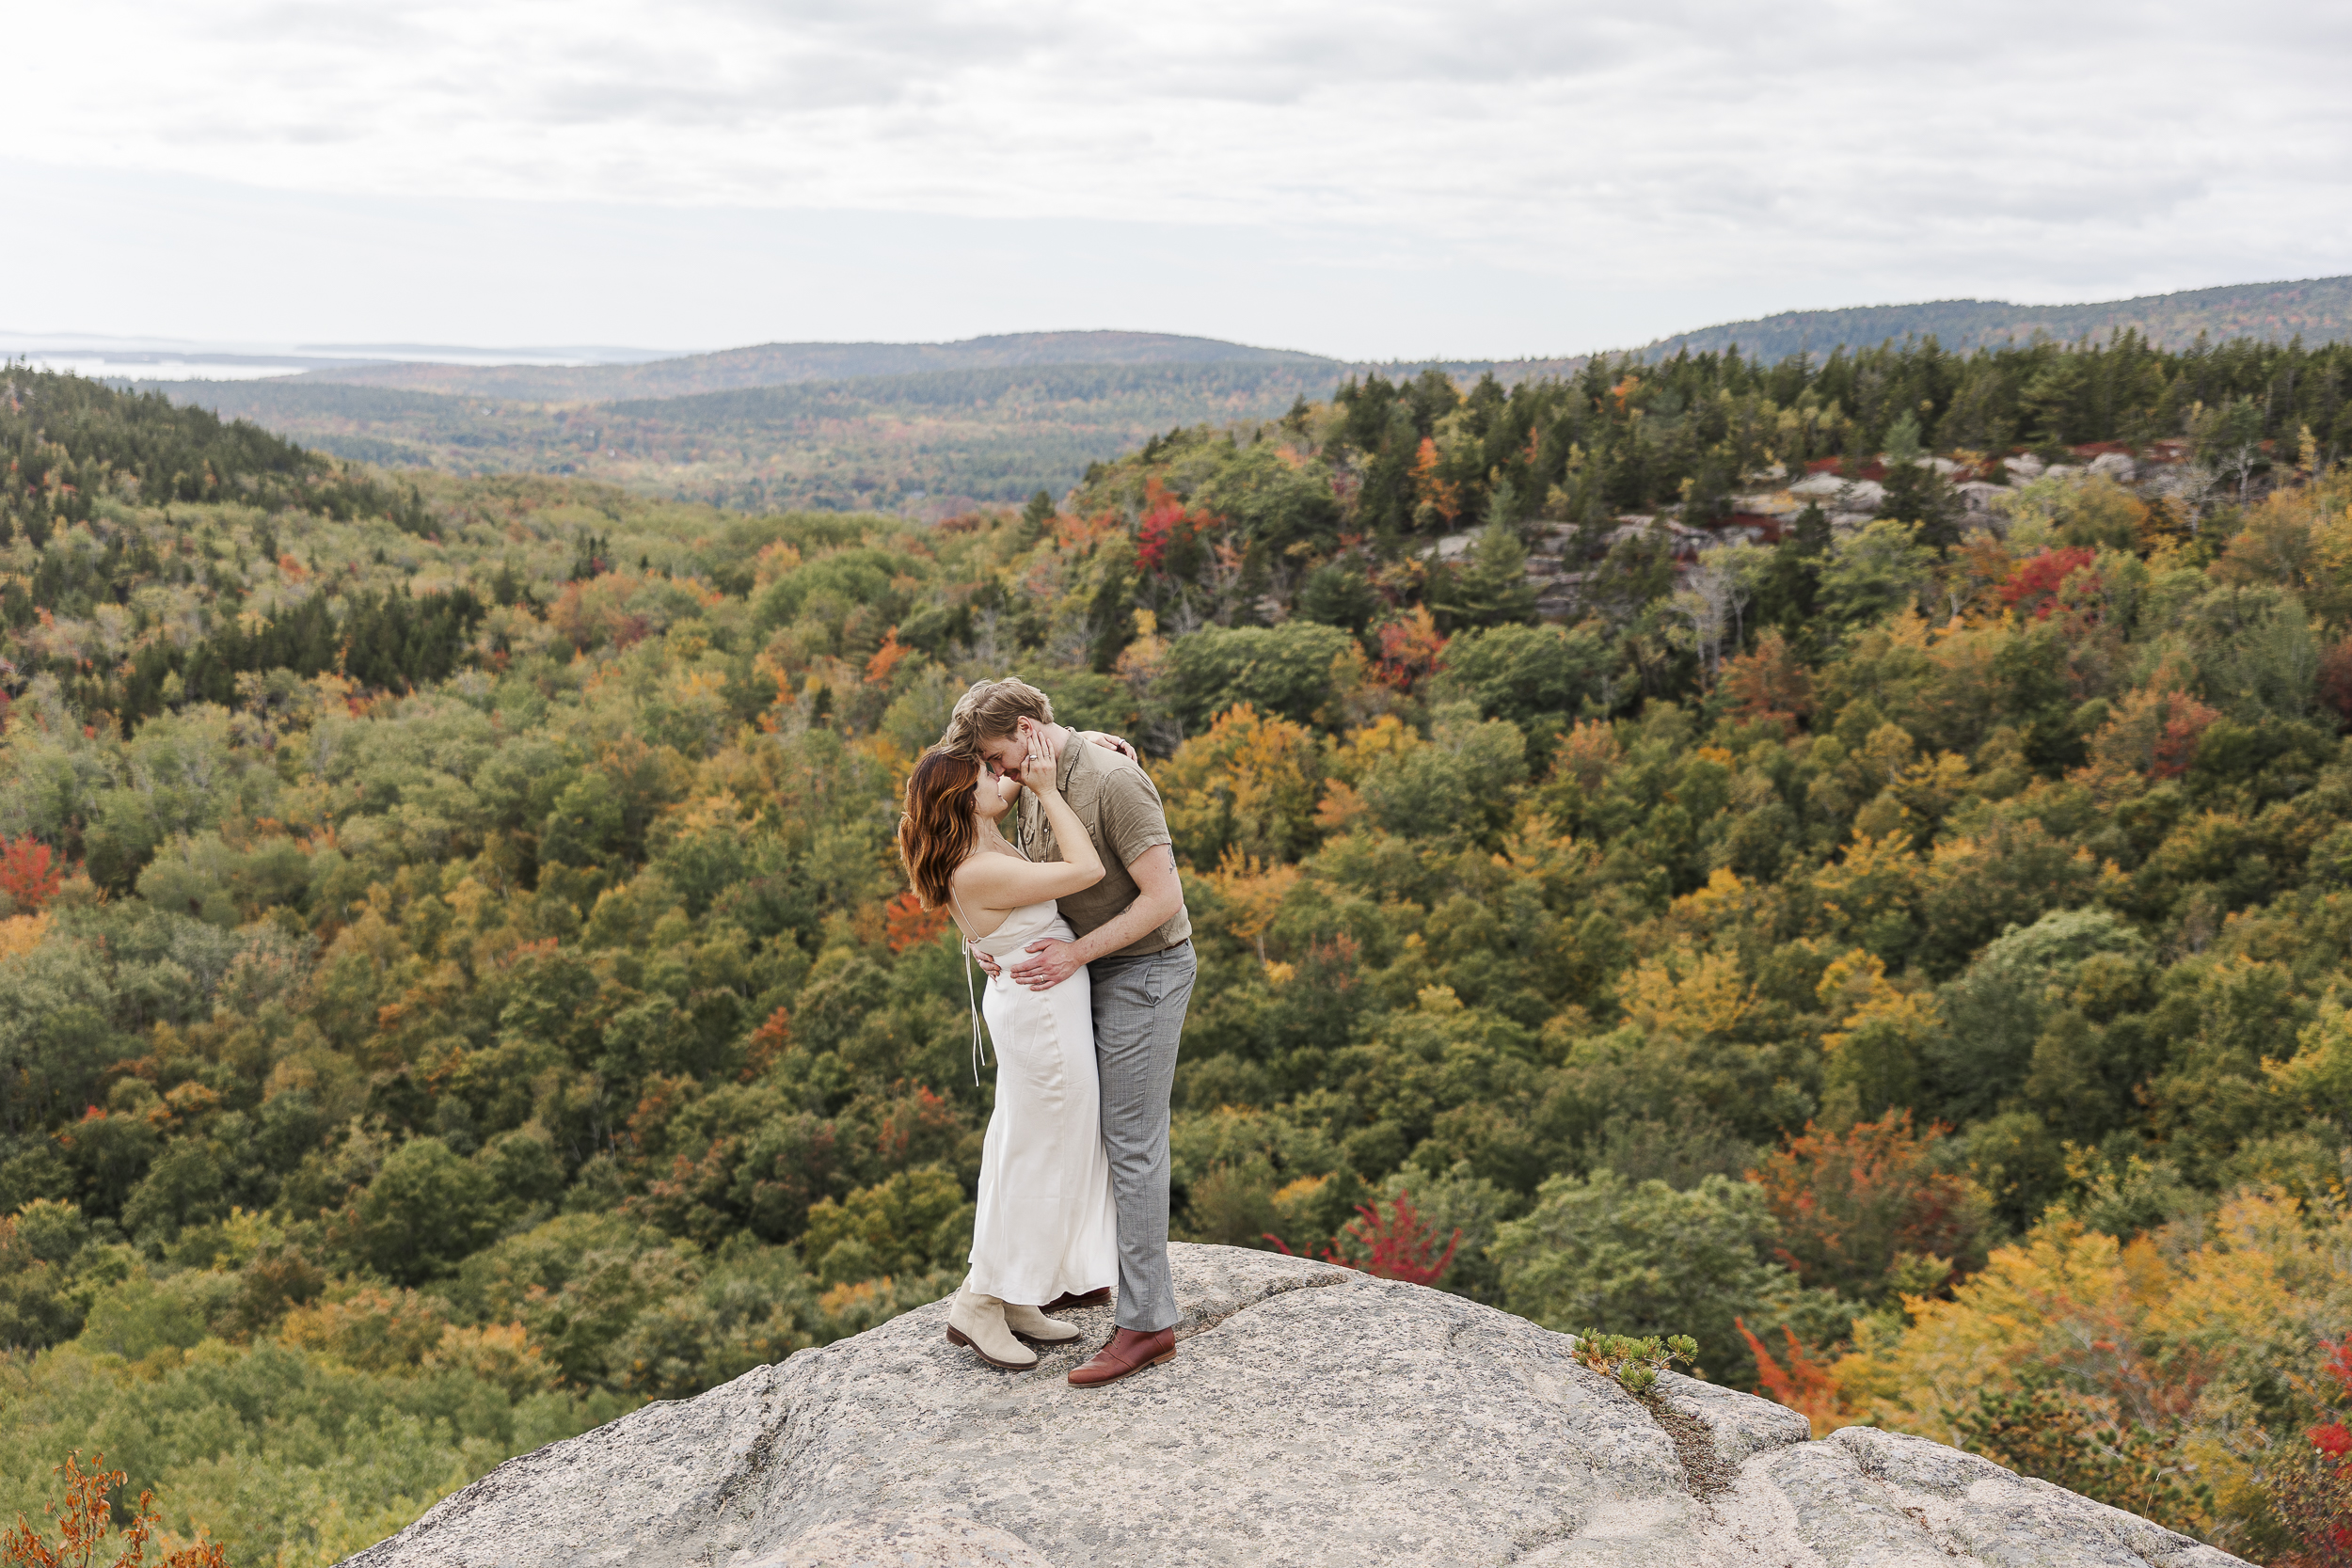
x=992, y=710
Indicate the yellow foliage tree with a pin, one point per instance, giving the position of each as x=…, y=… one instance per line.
x=1251, y=893
x=1872, y=1053
x=1246, y=786
x=2187, y=1335
x=1686, y=995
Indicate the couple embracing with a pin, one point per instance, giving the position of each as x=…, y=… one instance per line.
x=1050, y=851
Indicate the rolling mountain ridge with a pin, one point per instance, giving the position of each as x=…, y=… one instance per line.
x=785, y=364
x=936, y=427
x=2317, y=309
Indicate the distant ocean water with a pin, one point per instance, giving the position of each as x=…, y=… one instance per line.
x=158, y=368
x=130, y=359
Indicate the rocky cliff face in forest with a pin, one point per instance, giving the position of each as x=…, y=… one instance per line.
x=1314, y=1416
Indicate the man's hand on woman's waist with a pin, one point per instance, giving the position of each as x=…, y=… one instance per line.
x=1050, y=962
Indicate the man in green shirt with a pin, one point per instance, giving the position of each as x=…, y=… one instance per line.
x=1134, y=940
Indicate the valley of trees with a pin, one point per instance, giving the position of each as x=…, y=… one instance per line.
x=932, y=441
x=454, y=985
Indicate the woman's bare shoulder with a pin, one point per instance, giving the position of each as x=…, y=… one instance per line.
x=984, y=861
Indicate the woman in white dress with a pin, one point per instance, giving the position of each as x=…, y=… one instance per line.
x=1045, y=1225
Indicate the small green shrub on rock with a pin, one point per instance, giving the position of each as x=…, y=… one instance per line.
x=1635, y=1363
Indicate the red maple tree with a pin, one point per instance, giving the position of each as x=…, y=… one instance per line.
x=768, y=1044
x=2042, y=584
x=1411, y=650
x=1166, y=528
x=29, y=874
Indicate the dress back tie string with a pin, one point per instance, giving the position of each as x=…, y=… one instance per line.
x=963, y=930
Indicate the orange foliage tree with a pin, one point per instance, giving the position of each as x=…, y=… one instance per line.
x=1865, y=1210
x=908, y=924
x=86, y=1528
x=2155, y=729
x=1769, y=683
x=1411, y=649
x=1251, y=894
x=1441, y=494
x=885, y=658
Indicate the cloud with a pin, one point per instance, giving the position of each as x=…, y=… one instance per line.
x=2002, y=146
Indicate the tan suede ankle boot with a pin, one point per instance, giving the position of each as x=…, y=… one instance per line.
x=1036, y=1327
x=978, y=1323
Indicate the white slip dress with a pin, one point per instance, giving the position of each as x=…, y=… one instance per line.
x=1045, y=1223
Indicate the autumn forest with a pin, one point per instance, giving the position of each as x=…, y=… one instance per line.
x=1845, y=858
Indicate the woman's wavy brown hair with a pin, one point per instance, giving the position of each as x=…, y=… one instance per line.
x=938, y=832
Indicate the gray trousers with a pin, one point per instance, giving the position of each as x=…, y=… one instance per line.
x=1138, y=1014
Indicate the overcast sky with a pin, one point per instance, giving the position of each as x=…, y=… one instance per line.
x=1475, y=177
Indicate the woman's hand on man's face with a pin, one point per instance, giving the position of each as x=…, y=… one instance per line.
x=1037, y=761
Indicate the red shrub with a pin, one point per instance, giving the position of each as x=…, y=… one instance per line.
x=1394, y=1246
x=2313, y=1500
x=1803, y=1385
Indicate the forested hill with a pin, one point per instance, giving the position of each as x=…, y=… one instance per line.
x=785, y=364
x=455, y=986
x=935, y=442
x=70, y=442
x=2318, y=311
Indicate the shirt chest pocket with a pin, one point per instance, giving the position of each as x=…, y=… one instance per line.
x=1086, y=805
x=1043, y=844
x=1094, y=836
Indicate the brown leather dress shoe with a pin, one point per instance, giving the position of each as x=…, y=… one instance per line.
x=1129, y=1351
x=1064, y=1302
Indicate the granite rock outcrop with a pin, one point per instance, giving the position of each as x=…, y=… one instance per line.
x=1314, y=1416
